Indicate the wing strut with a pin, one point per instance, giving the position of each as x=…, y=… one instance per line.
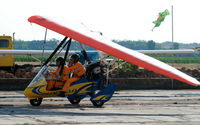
x=66, y=53
x=54, y=52
x=45, y=39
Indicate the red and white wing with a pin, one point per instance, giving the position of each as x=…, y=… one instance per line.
x=116, y=50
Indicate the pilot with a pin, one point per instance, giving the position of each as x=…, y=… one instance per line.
x=59, y=76
x=77, y=70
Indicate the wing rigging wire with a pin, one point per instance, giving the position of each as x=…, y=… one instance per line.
x=45, y=39
x=34, y=38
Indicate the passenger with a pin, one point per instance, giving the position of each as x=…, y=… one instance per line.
x=77, y=70
x=59, y=78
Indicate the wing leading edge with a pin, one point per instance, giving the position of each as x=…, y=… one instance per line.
x=114, y=49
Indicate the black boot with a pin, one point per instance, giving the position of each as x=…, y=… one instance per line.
x=61, y=94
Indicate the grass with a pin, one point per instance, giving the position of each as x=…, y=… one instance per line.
x=30, y=59
x=163, y=59
x=179, y=59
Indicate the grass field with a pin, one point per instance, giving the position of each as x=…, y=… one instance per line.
x=176, y=65
x=178, y=62
x=187, y=60
x=29, y=58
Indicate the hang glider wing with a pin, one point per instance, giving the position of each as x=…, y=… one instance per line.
x=62, y=53
x=98, y=42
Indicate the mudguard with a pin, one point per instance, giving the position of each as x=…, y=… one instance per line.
x=105, y=94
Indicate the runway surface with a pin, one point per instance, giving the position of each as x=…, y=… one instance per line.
x=135, y=107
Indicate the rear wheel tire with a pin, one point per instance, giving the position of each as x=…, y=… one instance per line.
x=97, y=104
x=36, y=102
x=75, y=101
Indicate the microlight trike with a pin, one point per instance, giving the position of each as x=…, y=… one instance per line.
x=37, y=90
x=92, y=84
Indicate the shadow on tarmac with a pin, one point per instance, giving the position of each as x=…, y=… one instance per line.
x=54, y=110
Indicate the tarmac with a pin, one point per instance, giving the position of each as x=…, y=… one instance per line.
x=127, y=107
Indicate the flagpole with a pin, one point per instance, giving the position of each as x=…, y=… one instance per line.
x=172, y=27
x=172, y=38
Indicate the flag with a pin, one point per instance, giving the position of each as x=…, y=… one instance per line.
x=160, y=18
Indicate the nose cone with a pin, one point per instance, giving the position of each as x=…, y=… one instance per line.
x=28, y=92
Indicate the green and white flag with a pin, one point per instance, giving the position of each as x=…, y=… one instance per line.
x=160, y=18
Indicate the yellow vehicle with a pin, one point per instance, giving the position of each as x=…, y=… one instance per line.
x=6, y=61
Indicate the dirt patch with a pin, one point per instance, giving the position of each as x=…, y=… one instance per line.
x=30, y=69
x=32, y=63
x=188, y=66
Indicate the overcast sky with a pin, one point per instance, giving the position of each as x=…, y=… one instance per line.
x=117, y=19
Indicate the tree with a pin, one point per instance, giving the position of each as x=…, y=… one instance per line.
x=151, y=45
x=176, y=46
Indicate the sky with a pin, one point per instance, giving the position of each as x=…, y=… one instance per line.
x=116, y=19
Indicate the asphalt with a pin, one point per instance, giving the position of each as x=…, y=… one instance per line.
x=131, y=107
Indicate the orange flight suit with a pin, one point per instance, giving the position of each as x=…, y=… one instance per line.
x=57, y=82
x=78, y=70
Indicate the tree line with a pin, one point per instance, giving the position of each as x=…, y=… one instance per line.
x=131, y=44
